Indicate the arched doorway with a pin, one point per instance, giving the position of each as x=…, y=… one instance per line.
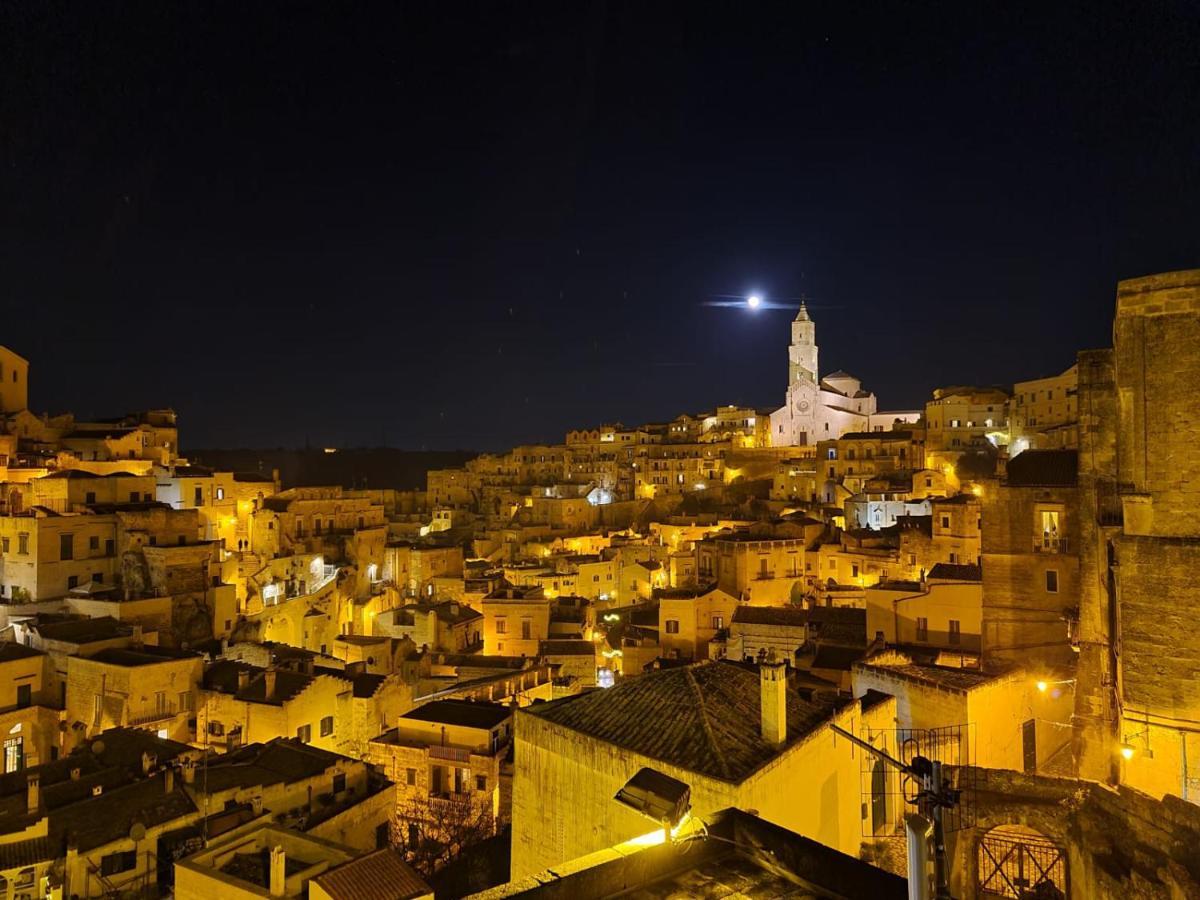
x=879, y=810
x=1020, y=863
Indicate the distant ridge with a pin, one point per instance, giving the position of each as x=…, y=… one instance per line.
x=362, y=467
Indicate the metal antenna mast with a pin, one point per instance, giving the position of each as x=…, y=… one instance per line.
x=934, y=797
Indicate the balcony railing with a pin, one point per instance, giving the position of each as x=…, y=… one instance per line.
x=455, y=754
x=155, y=715
x=1050, y=544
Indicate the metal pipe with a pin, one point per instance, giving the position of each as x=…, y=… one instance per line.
x=919, y=833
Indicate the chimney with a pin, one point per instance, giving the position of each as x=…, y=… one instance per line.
x=269, y=677
x=168, y=780
x=189, y=771
x=772, y=677
x=33, y=799
x=148, y=761
x=243, y=679
x=75, y=773
x=278, y=871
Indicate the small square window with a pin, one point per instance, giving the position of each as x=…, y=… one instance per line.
x=410, y=776
x=481, y=782
x=326, y=726
x=1051, y=581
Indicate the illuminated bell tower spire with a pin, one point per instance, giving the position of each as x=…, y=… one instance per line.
x=802, y=354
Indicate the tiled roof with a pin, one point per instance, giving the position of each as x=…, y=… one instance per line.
x=839, y=624
x=25, y=853
x=836, y=657
x=567, y=648
x=934, y=676
x=82, y=631
x=10, y=651
x=280, y=760
x=957, y=572
x=771, y=615
x=96, y=821
x=704, y=717
x=1043, y=468
x=381, y=875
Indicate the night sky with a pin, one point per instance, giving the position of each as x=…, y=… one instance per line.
x=446, y=225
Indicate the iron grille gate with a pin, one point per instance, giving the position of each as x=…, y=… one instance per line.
x=1021, y=867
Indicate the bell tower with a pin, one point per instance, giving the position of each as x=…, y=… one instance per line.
x=802, y=354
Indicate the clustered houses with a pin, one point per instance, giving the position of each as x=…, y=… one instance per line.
x=706, y=606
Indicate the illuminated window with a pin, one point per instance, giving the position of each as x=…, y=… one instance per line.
x=326, y=726
x=220, y=493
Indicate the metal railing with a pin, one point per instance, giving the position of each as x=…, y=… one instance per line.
x=1050, y=544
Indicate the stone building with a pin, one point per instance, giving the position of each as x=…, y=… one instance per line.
x=444, y=758
x=1043, y=413
x=737, y=738
x=960, y=418
x=688, y=618
x=1138, y=712
x=1030, y=545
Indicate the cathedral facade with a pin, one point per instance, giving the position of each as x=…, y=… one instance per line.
x=823, y=408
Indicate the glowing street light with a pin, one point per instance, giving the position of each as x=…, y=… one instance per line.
x=1127, y=751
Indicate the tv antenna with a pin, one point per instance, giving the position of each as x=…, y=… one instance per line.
x=927, y=871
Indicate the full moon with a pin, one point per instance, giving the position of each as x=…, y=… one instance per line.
x=753, y=301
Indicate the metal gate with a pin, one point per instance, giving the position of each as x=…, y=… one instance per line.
x=1023, y=867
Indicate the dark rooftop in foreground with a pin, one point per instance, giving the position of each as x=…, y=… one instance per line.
x=745, y=857
x=704, y=717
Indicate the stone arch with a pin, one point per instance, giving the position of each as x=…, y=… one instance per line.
x=279, y=629
x=1006, y=854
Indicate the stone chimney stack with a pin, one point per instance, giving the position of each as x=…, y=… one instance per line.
x=148, y=761
x=243, y=679
x=278, y=871
x=33, y=796
x=772, y=677
x=189, y=772
x=269, y=677
x=168, y=780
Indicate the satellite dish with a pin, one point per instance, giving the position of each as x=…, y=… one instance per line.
x=137, y=831
x=97, y=747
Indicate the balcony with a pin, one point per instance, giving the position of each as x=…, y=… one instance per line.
x=455, y=754
x=1050, y=544
x=150, y=717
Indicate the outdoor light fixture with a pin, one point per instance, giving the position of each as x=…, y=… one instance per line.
x=1044, y=686
x=1127, y=750
x=659, y=797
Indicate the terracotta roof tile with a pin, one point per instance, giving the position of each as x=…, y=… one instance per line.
x=381, y=875
x=705, y=718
